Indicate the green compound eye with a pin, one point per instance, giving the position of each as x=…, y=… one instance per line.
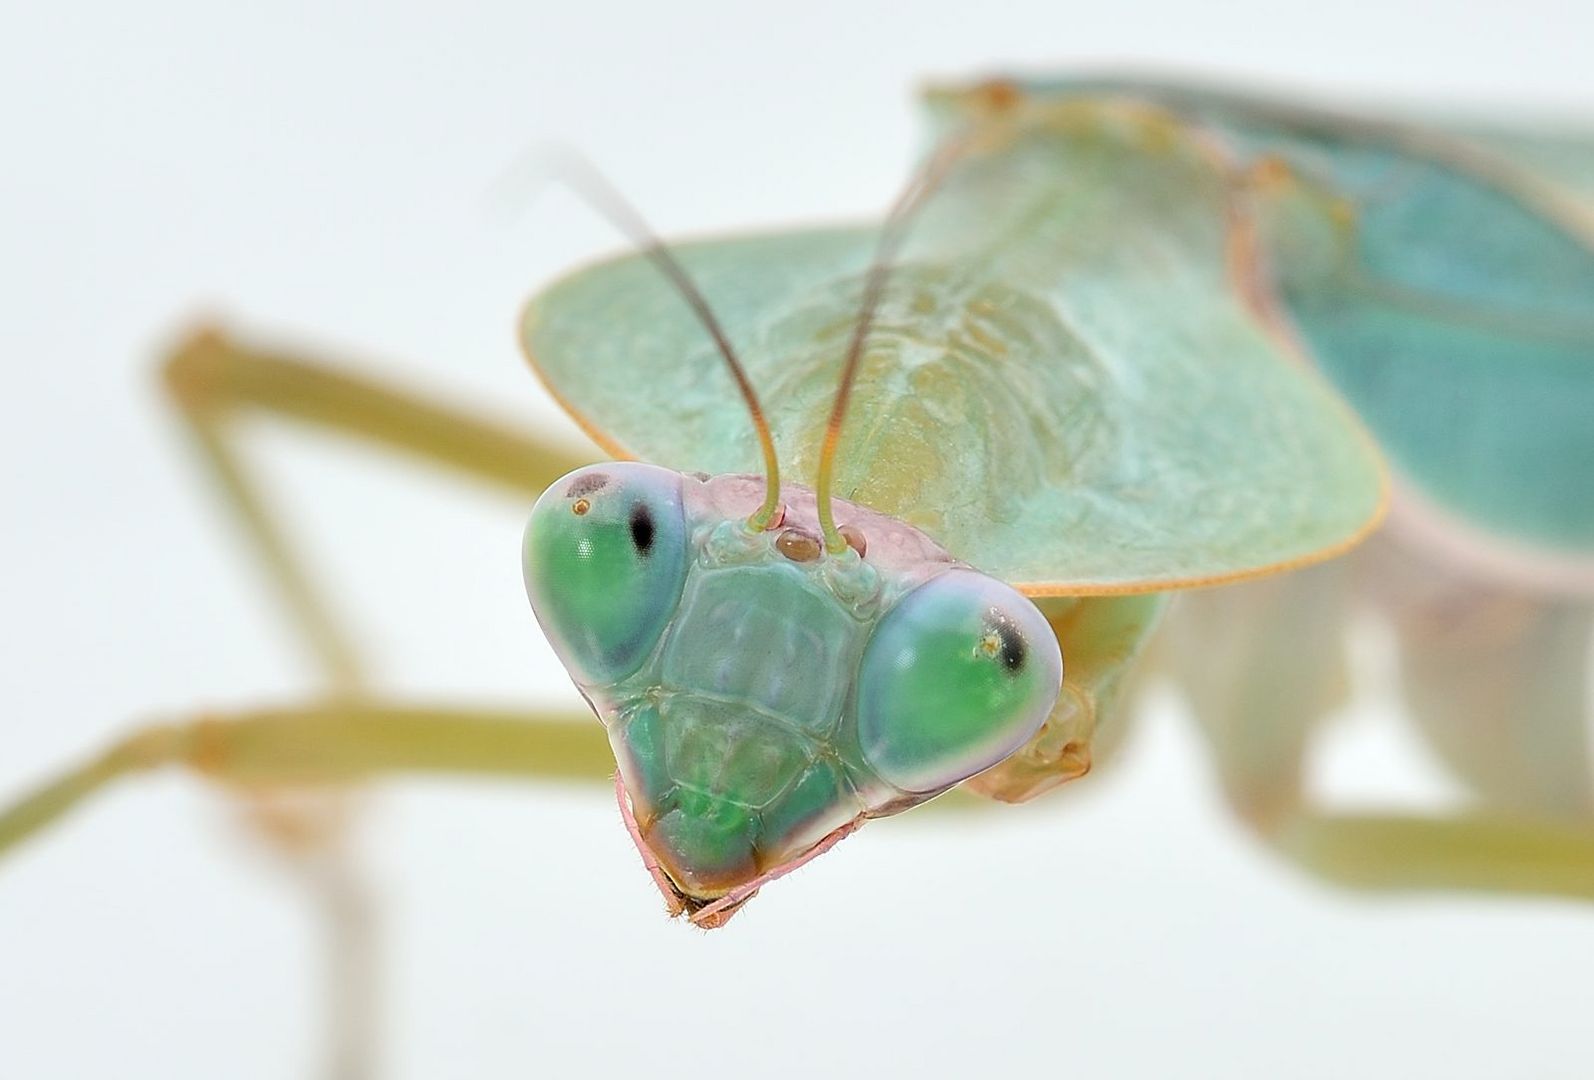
x=955, y=678
x=604, y=559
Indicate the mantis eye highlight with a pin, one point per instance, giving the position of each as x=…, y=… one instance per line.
x=604, y=558
x=955, y=678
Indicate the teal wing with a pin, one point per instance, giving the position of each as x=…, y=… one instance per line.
x=1556, y=155
x=1449, y=297
x=1065, y=386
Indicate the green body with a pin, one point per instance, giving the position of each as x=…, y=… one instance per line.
x=1136, y=342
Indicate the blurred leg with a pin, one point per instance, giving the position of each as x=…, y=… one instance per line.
x=1262, y=665
x=1484, y=852
x=331, y=742
x=1496, y=679
x=216, y=380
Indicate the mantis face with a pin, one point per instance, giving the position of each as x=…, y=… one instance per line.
x=761, y=694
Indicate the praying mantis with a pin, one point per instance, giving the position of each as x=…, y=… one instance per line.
x=1110, y=362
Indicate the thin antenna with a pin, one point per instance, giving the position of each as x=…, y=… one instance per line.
x=586, y=182
x=892, y=234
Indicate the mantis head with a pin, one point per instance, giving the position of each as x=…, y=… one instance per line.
x=764, y=695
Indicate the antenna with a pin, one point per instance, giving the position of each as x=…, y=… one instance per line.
x=570, y=168
x=892, y=233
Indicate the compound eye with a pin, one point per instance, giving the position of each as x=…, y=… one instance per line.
x=955, y=678
x=604, y=558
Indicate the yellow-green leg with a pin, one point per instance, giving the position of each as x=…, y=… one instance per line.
x=293, y=766
x=1481, y=852
x=215, y=380
x=331, y=742
x=286, y=752
x=308, y=748
x=1262, y=664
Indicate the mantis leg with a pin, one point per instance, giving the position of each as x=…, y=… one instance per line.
x=1479, y=851
x=1263, y=665
x=314, y=746
x=1495, y=678
x=328, y=742
x=215, y=379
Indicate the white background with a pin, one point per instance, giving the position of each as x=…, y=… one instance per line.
x=319, y=170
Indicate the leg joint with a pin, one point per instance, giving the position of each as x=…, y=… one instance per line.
x=190, y=371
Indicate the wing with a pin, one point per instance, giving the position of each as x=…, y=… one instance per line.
x=1558, y=156
x=1442, y=275
x=1065, y=385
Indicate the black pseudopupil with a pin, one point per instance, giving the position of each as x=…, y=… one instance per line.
x=641, y=528
x=1012, y=647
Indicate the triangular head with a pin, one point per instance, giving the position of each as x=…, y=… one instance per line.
x=761, y=693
